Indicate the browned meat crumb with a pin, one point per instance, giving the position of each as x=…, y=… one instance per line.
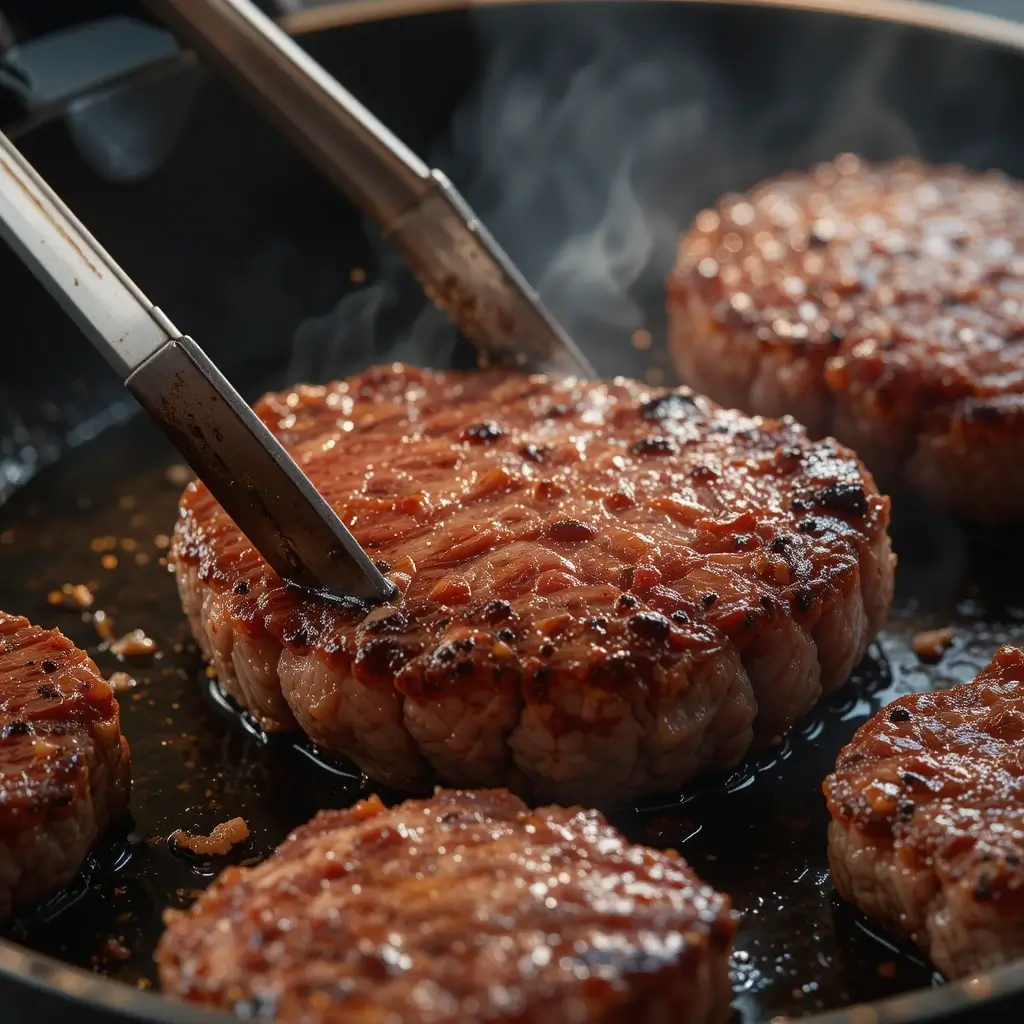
x=929, y=644
x=219, y=842
x=133, y=645
x=112, y=949
x=642, y=340
x=121, y=682
x=103, y=624
x=178, y=475
x=71, y=595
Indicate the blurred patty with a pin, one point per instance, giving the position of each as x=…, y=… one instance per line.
x=879, y=304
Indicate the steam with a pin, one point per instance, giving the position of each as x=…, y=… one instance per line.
x=348, y=339
x=596, y=134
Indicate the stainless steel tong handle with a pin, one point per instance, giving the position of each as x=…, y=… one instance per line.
x=336, y=132
x=461, y=267
x=243, y=464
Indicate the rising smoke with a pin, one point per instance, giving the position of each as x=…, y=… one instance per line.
x=597, y=132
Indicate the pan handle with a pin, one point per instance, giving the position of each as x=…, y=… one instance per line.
x=40, y=77
x=54, y=52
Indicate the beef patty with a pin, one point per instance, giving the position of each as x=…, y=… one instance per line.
x=882, y=305
x=64, y=765
x=468, y=906
x=927, y=828
x=602, y=584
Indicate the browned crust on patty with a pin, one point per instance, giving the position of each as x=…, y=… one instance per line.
x=879, y=304
x=64, y=766
x=467, y=906
x=598, y=569
x=927, y=804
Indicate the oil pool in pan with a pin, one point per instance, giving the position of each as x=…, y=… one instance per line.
x=102, y=518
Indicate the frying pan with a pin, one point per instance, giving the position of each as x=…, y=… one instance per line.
x=587, y=135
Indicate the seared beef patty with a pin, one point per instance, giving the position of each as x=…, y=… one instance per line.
x=881, y=305
x=605, y=587
x=927, y=805
x=465, y=907
x=64, y=765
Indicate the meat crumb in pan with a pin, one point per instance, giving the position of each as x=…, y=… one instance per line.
x=927, y=831
x=178, y=475
x=122, y=682
x=465, y=907
x=930, y=644
x=114, y=949
x=878, y=304
x=64, y=765
x=103, y=624
x=134, y=644
x=604, y=588
x=219, y=842
x=71, y=595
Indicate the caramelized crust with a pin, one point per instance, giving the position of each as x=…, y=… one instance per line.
x=600, y=582
x=468, y=906
x=64, y=766
x=877, y=304
x=928, y=818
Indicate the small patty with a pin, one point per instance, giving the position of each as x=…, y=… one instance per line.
x=464, y=907
x=605, y=588
x=883, y=305
x=64, y=765
x=927, y=830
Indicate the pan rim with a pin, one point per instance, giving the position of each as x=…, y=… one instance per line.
x=922, y=14
x=75, y=986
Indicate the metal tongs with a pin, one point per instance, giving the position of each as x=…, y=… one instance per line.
x=243, y=464
x=459, y=264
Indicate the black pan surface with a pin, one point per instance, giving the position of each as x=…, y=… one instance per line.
x=242, y=244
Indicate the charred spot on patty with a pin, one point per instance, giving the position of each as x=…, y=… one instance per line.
x=570, y=531
x=498, y=611
x=650, y=626
x=655, y=445
x=848, y=498
x=483, y=433
x=382, y=657
x=675, y=405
